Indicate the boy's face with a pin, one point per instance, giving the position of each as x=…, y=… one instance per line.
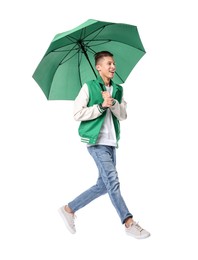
x=106, y=67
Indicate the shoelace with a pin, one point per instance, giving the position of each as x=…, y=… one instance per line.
x=138, y=227
x=73, y=220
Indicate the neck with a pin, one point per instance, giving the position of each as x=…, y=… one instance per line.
x=106, y=82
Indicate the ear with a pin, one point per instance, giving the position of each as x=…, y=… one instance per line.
x=98, y=67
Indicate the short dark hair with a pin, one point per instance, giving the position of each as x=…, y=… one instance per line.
x=102, y=54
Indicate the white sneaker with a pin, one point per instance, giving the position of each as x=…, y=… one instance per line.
x=136, y=231
x=68, y=219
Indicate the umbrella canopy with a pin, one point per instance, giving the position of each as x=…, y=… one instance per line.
x=69, y=61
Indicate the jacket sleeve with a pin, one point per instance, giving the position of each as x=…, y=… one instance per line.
x=119, y=109
x=81, y=111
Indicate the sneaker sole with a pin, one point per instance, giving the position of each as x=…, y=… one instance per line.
x=138, y=237
x=61, y=212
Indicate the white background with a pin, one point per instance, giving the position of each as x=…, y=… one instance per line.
x=44, y=165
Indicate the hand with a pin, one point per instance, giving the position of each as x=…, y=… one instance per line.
x=105, y=94
x=108, y=100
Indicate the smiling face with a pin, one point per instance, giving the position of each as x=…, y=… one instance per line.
x=106, y=68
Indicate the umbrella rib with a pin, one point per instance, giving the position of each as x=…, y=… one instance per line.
x=65, y=60
x=69, y=51
x=99, y=31
x=73, y=39
x=119, y=77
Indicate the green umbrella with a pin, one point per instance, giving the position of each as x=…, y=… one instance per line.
x=69, y=61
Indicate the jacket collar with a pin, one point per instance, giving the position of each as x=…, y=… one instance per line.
x=101, y=82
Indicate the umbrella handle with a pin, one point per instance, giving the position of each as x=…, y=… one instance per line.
x=102, y=87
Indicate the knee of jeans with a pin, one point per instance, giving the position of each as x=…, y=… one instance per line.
x=113, y=186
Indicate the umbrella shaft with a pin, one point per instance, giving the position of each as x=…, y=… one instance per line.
x=84, y=51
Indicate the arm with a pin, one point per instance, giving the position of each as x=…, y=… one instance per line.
x=81, y=111
x=119, y=110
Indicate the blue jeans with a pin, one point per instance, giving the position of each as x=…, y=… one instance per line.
x=107, y=182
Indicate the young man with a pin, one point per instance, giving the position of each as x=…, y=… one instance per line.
x=99, y=113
